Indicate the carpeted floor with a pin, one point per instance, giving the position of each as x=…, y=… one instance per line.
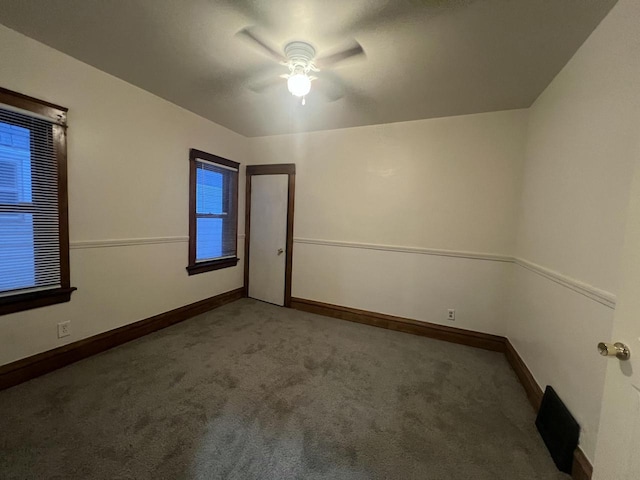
x=254, y=391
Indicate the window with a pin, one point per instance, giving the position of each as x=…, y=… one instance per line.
x=34, y=238
x=213, y=212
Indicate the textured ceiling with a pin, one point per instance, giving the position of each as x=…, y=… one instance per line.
x=424, y=58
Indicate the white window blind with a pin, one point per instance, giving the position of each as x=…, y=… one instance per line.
x=29, y=224
x=215, y=211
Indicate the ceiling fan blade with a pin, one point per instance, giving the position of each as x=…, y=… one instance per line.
x=250, y=34
x=330, y=86
x=333, y=88
x=354, y=50
x=263, y=84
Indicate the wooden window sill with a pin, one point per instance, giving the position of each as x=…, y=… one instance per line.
x=30, y=300
x=212, y=265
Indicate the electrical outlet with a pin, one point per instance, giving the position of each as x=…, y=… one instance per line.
x=451, y=314
x=64, y=329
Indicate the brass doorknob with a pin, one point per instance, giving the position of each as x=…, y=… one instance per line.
x=618, y=350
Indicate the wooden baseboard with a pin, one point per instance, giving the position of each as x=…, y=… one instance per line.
x=36, y=365
x=582, y=469
x=531, y=387
x=439, y=332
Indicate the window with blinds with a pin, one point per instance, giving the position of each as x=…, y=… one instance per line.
x=213, y=212
x=33, y=224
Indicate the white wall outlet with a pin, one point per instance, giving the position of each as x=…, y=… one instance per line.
x=64, y=329
x=451, y=314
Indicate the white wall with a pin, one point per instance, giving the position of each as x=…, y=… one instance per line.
x=128, y=178
x=579, y=162
x=449, y=183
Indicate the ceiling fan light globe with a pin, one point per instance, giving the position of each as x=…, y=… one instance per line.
x=299, y=84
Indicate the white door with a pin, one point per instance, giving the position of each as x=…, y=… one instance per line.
x=618, y=449
x=268, y=237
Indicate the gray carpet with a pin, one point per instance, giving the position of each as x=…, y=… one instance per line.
x=254, y=391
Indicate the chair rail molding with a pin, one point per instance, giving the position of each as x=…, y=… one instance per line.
x=125, y=242
x=403, y=249
x=603, y=297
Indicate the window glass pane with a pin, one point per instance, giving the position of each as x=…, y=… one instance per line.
x=209, y=189
x=15, y=164
x=29, y=226
x=215, y=212
x=17, y=264
x=17, y=258
x=209, y=239
x=8, y=181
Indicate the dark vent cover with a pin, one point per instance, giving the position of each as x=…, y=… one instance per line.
x=558, y=429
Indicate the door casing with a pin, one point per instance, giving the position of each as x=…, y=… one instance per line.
x=288, y=169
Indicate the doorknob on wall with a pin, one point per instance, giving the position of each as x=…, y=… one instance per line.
x=619, y=350
x=280, y=251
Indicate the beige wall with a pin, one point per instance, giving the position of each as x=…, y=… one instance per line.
x=128, y=179
x=581, y=140
x=449, y=183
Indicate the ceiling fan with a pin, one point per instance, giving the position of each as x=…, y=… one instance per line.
x=300, y=59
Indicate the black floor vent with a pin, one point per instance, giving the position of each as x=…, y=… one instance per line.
x=558, y=429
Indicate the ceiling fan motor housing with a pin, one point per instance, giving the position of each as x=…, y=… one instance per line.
x=300, y=56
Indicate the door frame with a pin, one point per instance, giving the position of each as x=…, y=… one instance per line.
x=288, y=169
